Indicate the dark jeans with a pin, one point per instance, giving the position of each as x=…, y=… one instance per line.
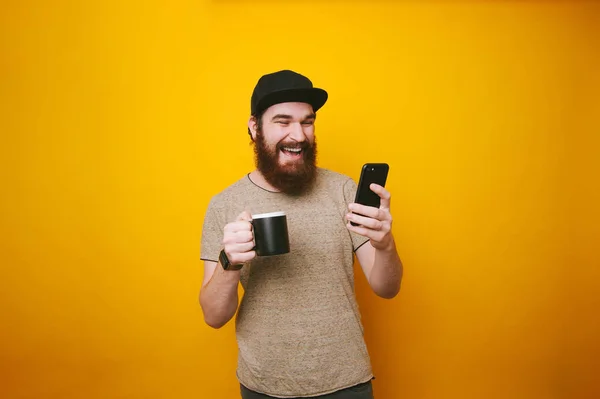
x=360, y=391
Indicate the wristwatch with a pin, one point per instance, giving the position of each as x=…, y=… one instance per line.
x=227, y=265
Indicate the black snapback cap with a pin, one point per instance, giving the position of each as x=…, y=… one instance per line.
x=285, y=86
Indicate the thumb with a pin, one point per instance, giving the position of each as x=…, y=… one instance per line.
x=244, y=216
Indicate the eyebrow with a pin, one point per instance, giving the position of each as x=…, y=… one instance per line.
x=285, y=116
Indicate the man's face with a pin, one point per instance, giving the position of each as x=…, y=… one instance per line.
x=285, y=146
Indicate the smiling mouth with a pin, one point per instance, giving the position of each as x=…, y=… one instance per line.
x=295, y=151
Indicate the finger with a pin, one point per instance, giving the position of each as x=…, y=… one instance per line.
x=384, y=194
x=245, y=215
x=238, y=226
x=374, y=236
x=242, y=236
x=371, y=234
x=367, y=222
x=246, y=256
x=369, y=211
x=235, y=249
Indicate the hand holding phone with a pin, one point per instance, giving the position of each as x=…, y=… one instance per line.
x=371, y=173
x=370, y=213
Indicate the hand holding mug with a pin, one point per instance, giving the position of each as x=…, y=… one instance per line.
x=238, y=239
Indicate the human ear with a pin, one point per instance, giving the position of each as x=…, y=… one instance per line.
x=252, y=127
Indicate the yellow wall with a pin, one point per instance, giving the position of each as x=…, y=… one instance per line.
x=119, y=121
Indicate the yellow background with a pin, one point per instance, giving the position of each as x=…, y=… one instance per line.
x=119, y=120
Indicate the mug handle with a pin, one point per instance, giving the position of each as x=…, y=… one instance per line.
x=252, y=230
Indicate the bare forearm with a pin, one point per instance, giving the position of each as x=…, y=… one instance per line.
x=386, y=274
x=219, y=298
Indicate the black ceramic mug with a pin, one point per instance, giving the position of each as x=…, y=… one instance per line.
x=270, y=234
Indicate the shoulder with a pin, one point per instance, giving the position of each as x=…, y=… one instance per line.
x=231, y=193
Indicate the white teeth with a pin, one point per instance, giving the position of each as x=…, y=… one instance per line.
x=296, y=150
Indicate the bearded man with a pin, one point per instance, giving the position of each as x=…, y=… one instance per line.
x=298, y=327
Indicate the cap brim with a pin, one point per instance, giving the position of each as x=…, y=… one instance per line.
x=313, y=96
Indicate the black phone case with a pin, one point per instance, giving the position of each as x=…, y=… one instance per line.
x=370, y=173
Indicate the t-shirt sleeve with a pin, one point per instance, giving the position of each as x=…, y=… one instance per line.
x=349, y=192
x=212, y=233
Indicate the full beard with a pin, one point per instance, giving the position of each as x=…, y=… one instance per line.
x=292, y=179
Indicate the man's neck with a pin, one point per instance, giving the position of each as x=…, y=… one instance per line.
x=258, y=179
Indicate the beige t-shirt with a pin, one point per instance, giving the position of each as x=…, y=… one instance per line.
x=298, y=326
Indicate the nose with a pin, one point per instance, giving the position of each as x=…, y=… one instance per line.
x=296, y=132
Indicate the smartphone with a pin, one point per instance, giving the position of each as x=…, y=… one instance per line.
x=370, y=173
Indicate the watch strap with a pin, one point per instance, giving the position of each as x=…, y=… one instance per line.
x=227, y=265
